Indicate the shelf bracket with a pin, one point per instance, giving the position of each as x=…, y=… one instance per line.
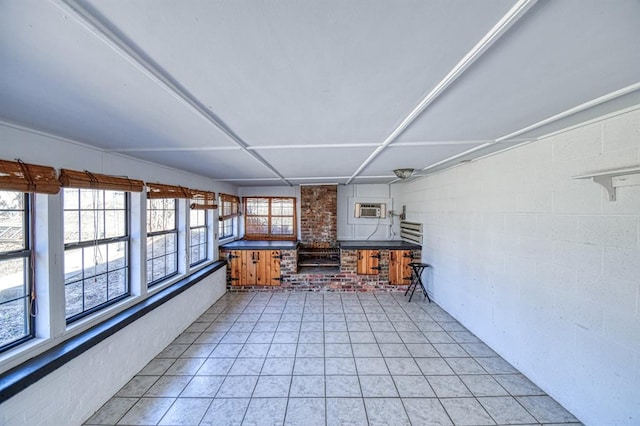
x=607, y=183
x=612, y=179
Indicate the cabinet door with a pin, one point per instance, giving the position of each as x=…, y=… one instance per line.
x=399, y=269
x=368, y=262
x=235, y=266
x=273, y=262
x=249, y=271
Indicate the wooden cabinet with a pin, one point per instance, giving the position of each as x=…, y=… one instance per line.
x=255, y=267
x=399, y=269
x=368, y=262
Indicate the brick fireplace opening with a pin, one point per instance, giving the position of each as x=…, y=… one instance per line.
x=319, y=250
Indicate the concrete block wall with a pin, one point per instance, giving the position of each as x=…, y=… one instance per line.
x=543, y=267
x=72, y=393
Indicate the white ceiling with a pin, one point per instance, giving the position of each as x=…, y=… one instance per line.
x=323, y=91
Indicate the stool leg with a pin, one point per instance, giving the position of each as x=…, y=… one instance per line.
x=409, y=287
x=415, y=284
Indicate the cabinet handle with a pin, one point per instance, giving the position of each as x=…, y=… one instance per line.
x=258, y=253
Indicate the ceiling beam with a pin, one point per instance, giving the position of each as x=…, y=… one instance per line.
x=571, y=111
x=156, y=73
x=511, y=137
x=510, y=18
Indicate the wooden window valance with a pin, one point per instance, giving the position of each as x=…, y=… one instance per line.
x=203, y=200
x=158, y=190
x=23, y=177
x=230, y=206
x=88, y=180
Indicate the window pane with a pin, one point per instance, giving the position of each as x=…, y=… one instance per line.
x=281, y=207
x=282, y=225
x=91, y=199
x=74, y=298
x=91, y=225
x=257, y=206
x=197, y=217
x=14, y=299
x=161, y=215
x=71, y=226
x=279, y=220
x=116, y=225
x=115, y=200
x=87, y=271
x=97, y=273
x=11, y=200
x=71, y=199
x=117, y=283
x=11, y=230
x=161, y=256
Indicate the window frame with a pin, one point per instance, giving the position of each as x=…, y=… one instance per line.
x=269, y=235
x=204, y=227
x=126, y=238
x=163, y=232
x=229, y=207
x=27, y=254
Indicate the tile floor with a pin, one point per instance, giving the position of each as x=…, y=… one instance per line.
x=328, y=359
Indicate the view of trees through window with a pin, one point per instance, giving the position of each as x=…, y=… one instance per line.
x=96, y=260
x=270, y=217
x=14, y=269
x=162, y=239
x=198, y=234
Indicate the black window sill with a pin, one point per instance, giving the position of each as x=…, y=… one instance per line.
x=22, y=376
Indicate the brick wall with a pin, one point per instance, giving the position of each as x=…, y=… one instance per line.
x=318, y=218
x=346, y=279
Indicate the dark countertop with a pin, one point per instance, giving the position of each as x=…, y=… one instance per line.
x=260, y=245
x=374, y=244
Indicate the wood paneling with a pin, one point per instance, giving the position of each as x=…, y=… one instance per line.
x=368, y=262
x=255, y=267
x=399, y=269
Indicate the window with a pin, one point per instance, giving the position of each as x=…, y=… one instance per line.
x=15, y=270
x=270, y=218
x=229, y=213
x=198, y=247
x=162, y=240
x=96, y=244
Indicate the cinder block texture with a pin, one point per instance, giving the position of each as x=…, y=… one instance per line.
x=543, y=267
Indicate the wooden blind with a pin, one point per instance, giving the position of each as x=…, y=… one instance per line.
x=19, y=176
x=230, y=206
x=157, y=190
x=88, y=180
x=204, y=200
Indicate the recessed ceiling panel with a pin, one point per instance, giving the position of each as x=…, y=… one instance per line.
x=58, y=77
x=559, y=55
x=305, y=72
x=316, y=162
x=415, y=157
x=214, y=164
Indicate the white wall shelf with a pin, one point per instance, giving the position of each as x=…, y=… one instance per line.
x=612, y=179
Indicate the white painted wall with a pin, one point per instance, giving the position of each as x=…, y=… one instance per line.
x=89, y=380
x=72, y=393
x=38, y=148
x=543, y=267
x=351, y=228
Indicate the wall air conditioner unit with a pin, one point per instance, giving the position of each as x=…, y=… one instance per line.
x=371, y=210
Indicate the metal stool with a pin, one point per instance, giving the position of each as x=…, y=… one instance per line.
x=416, y=278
